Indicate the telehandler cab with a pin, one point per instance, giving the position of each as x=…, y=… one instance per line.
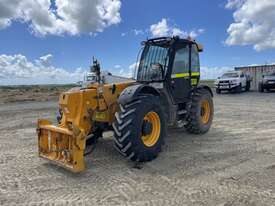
x=166, y=91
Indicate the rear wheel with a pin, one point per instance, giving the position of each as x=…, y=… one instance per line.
x=201, y=114
x=247, y=87
x=140, y=129
x=261, y=88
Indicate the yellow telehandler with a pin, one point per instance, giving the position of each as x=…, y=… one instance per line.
x=165, y=91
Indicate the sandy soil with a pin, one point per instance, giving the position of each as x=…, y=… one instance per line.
x=234, y=164
x=18, y=94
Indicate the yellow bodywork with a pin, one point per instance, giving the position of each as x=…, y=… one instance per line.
x=81, y=108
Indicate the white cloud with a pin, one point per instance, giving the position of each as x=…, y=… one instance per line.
x=129, y=72
x=138, y=32
x=17, y=69
x=162, y=28
x=45, y=60
x=179, y=32
x=69, y=17
x=195, y=33
x=234, y=4
x=4, y=23
x=117, y=66
x=213, y=72
x=134, y=66
x=133, y=69
x=254, y=23
x=121, y=72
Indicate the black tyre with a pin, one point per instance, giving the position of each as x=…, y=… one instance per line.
x=261, y=88
x=218, y=91
x=94, y=137
x=201, y=114
x=247, y=88
x=140, y=129
x=239, y=88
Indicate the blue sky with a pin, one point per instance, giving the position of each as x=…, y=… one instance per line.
x=25, y=37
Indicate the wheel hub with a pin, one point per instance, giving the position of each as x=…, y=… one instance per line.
x=151, y=127
x=147, y=128
x=205, y=112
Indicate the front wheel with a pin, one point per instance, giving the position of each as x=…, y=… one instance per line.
x=218, y=91
x=201, y=113
x=239, y=88
x=140, y=129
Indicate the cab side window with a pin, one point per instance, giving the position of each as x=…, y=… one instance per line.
x=195, y=60
x=181, y=61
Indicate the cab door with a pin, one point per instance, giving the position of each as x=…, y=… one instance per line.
x=243, y=79
x=180, y=83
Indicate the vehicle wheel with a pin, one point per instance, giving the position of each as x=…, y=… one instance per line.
x=201, y=114
x=261, y=88
x=218, y=91
x=239, y=88
x=94, y=137
x=247, y=88
x=140, y=129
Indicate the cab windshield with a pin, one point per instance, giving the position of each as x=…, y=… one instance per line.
x=90, y=78
x=153, y=63
x=230, y=75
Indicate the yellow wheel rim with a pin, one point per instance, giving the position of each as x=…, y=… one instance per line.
x=205, y=111
x=152, y=138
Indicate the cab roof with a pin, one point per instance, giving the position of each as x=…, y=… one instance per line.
x=171, y=40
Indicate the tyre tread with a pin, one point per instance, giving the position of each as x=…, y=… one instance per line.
x=123, y=126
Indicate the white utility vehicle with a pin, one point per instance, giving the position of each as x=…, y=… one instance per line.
x=235, y=81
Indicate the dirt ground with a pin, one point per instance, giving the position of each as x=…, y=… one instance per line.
x=233, y=164
x=40, y=93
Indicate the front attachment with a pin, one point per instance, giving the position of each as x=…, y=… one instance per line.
x=61, y=145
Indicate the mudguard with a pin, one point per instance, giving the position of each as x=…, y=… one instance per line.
x=131, y=93
x=205, y=87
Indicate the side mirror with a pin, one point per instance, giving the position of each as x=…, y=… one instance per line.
x=200, y=47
